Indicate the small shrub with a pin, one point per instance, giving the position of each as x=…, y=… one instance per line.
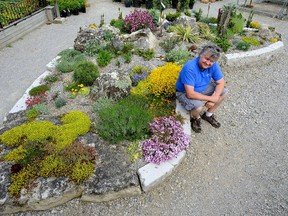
x=127, y=57
x=146, y=54
x=273, y=40
x=60, y=102
x=173, y=16
x=38, y=90
x=85, y=73
x=198, y=14
x=37, y=99
x=162, y=80
x=137, y=20
x=167, y=141
x=32, y=113
x=127, y=47
x=186, y=33
x=134, y=151
x=251, y=40
x=84, y=91
x=223, y=43
x=69, y=59
x=236, y=24
x=168, y=44
x=155, y=14
x=188, y=13
x=51, y=78
x=125, y=120
x=104, y=57
x=255, y=25
x=205, y=31
x=241, y=45
x=178, y=56
x=16, y=154
x=108, y=35
x=82, y=171
x=137, y=73
x=208, y=20
x=102, y=103
x=41, y=108
x=119, y=23
x=93, y=47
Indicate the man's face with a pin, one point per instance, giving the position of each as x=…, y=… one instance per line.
x=205, y=61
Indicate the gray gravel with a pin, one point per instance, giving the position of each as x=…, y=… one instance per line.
x=238, y=169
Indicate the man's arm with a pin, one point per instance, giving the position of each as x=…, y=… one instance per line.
x=219, y=87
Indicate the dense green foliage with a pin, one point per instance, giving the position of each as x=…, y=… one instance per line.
x=125, y=120
x=38, y=90
x=85, y=73
x=69, y=59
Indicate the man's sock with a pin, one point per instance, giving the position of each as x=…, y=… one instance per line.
x=208, y=114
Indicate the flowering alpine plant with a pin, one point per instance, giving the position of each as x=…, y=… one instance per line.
x=139, y=19
x=168, y=139
x=37, y=99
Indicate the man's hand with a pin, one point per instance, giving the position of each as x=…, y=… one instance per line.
x=214, y=98
x=209, y=104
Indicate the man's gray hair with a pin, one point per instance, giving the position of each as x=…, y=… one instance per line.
x=213, y=50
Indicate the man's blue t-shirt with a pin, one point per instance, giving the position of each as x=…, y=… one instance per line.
x=192, y=75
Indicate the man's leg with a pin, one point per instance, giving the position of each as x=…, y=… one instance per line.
x=194, y=107
x=209, y=114
x=196, y=119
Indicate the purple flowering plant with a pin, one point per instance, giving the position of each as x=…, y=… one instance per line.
x=137, y=20
x=138, y=73
x=167, y=141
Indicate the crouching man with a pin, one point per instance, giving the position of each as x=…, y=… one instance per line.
x=201, y=84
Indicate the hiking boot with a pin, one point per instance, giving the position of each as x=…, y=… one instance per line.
x=211, y=120
x=196, y=124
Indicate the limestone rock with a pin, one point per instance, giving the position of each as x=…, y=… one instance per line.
x=186, y=21
x=114, y=175
x=115, y=85
x=87, y=34
x=142, y=39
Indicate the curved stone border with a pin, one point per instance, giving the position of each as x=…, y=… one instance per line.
x=254, y=55
x=152, y=175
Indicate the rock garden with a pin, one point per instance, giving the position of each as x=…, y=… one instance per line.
x=107, y=106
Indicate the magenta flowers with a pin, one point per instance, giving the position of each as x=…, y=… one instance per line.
x=168, y=139
x=139, y=19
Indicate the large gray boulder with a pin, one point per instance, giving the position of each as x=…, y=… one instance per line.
x=87, y=34
x=115, y=85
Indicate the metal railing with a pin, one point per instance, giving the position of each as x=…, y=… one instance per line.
x=12, y=11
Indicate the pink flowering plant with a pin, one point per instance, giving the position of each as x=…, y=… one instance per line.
x=137, y=20
x=37, y=99
x=167, y=141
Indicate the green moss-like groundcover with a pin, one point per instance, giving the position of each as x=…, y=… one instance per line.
x=45, y=149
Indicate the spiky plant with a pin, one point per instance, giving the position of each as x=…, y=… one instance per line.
x=186, y=33
x=205, y=31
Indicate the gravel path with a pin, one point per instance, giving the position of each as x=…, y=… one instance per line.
x=238, y=169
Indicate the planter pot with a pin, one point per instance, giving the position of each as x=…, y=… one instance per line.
x=191, y=5
x=75, y=12
x=149, y=4
x=174, y=3
x=127, y=3
x=83, y=9
x=68, y=13
x=136, y=3
x=63, y=13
